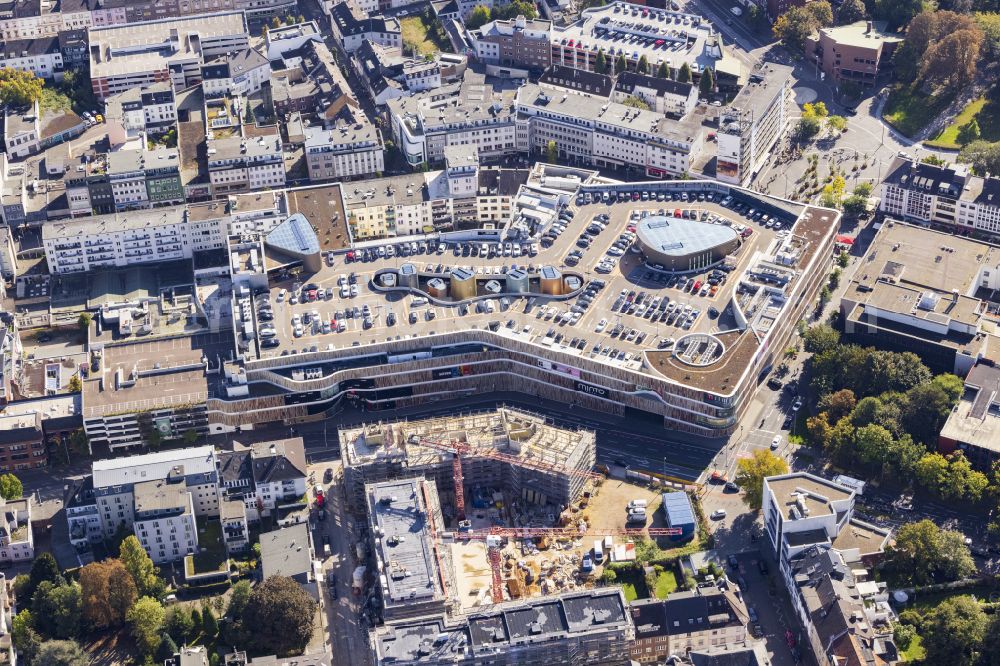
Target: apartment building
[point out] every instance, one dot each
(352, 28)
(43, 56)
(593, 131)
(127, 238)
(33, 19)
(385, 73)
(921, 293)
(852, 53)
(17, 541)
(246, 164)
(665, 96)
(345, 151)
(22, 441)
(281, 40)
(974, 423)
(142, 178)
(559, 77)
(394, 207)
(706, 617)
(39, 427)
(164, 519)
(519, 43)
(149, 109)
(172, 50)
(948, 196)
(573, 628)
(237, 73)
(308, 80)
(263, 477)
(32, 130)
(470, 113)
(752, 124)
(11, 352)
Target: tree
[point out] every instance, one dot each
(684, 73)
(238, 599)
(643, 65)
(178, 624)
(57, 610)
(968, 132)
(923, 553)
(851, 11)
(752, 471)
(208, 622)
(807, 127)
(951, 61)
(140, 567)
(984, 156)
(62, 653)
(794, 26)
(551, 152)
(863, 190)
(839, 404)
(75, 385)
(953, 632)
(928, 407)
(166, 649)
(10, 487)
(620, 64)
(897, 13)
(19, 88)
(635, 103)
(190, 436)
(514, 9)
(706, 86)
(608, 576)
(84, 321)
(833, 192)
(601, 63)
(196, 619)
(275, 22)
(663, 72)
(279, 616)
(854, 206)
(26, 639)
(479, 17)
(108, 592)
(836, 123)
(146, 618)
(821, 338)
(43, 569)
(873, 444)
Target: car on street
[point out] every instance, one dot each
(797, 405)
(776, 442)
(718, 514)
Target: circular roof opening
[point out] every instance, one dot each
(699, 349)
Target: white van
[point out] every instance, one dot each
(598, 551)
(637, 504)
(417, 302)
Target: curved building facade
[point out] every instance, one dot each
(680, 245)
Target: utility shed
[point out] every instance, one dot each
(679, 513)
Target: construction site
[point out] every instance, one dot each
(470, 511)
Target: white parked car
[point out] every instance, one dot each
(601, 325)
(776, 442)
(718, 514)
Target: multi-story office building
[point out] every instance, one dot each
(246, 164)
(471, 113)
(664, 96)
(518, 43)
(123, 57)
(752, 124)
(852, 53)
(593, 131)
(128, 238)
(345, 151)
(43, 57)
(949, 196)
(353, 28)
(920, 292)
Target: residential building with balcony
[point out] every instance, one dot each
(345, 151)
(17, 542)
(852, 53)
(246, 164)
(237, 73)
(59, 416)
(665, 96)
(263, 477)
(142, 178)
(164, 520)
(150, 109)
(22, 441)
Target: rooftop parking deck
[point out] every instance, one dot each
(636, 320)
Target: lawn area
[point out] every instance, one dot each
(909, 110)
(633, 584)
(213, 558)
(418, 35)
(914, 653)
(666, 583)
(986, 111)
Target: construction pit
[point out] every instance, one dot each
(513, 491)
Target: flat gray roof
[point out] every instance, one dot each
(680, 237)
